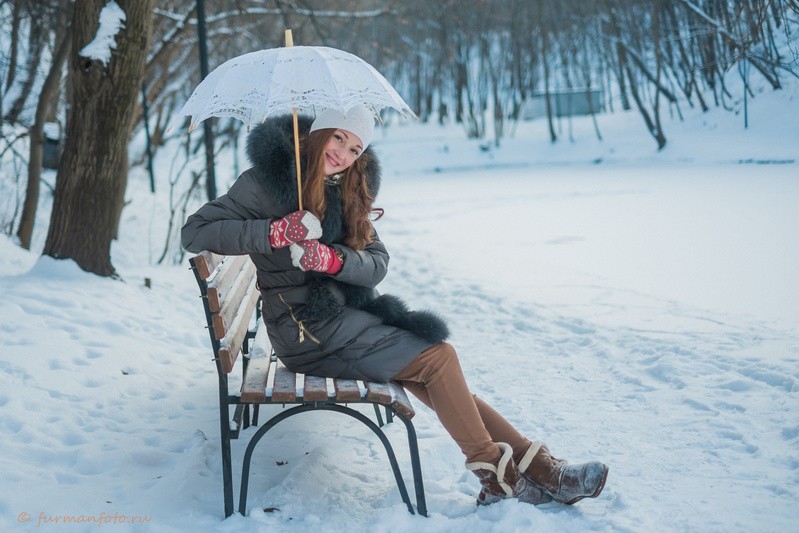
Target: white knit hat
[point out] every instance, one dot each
(358, 120)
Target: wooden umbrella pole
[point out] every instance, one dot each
(290, 42)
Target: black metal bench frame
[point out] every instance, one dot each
(224, 324)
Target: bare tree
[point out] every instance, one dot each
(92, 174)
(46, 105)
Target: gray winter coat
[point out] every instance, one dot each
(332, 326)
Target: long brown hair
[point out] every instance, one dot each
(357, 200)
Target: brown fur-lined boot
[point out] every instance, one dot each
(565, 483)
(503, 480)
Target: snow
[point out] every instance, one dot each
(112, 20)
(624, 305)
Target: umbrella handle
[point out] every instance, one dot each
(290, 42)
(297, 155)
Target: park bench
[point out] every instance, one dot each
(231, 302)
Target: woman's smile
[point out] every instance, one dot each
(332, 161)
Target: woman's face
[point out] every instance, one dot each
(341, 151)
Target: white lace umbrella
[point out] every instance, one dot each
(254, 86)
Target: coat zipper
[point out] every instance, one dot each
(301, 329)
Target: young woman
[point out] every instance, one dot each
(317, 273)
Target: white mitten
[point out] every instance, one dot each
(294, 227)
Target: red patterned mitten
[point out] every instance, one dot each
(294, 227)
(313, 255)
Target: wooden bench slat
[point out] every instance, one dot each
(231, 305)
(400, 401)
(285, 387)
(223, 283)
(253, 389)
(378, 393)
(347, 390)
(206, 263)
(315, 389)
(233, 340)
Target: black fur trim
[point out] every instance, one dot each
(358, 297)
(322, 304)
(394, 312)
(426, 324)
(390, 308)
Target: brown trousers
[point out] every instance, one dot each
(436, 378)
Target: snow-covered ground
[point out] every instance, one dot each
(634, 307)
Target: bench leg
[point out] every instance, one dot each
(245, 467)
(417, 471)
(378, 415)
(227, 473)
(389, 415)
(416, 465)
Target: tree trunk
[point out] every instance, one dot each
(460, 88)
(650, 125)
(36, 44)
(92, 175)
(13, 53)
(47, 103)
(658, 132)
(614, 31)
(553, 137)
(417, 88)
